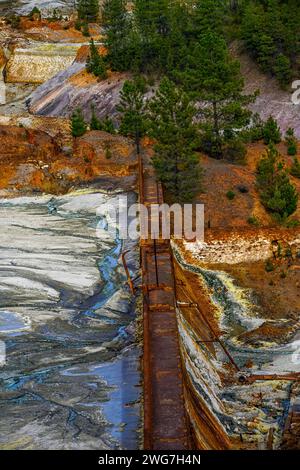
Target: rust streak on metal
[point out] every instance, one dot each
(165, 423)
(130, 283)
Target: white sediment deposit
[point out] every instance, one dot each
(45, 6)
(65, 315)
(39, 62)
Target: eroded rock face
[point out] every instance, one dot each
(46, 6)
(272, 100)
(73, 88)
(32, 160)
(39, 62)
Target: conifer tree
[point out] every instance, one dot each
(177, 166)
(78, 124)
(108, 125)
(95, 62)
(295, 168)
(88, 10)
(117, 26)
(272, 132)
(277, 194)
(213, 77)
(132, 109)
(207, 15)
(95, 123)
(291, 142)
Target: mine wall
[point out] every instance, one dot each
(200, 377)
(224, 411)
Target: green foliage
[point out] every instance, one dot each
(108, 125)
(295, 168)
(95, 62)
(78, 124)
(78, 25)
(85, 29)
(271, 132)
(119, 35)
(271, 33)
(230, 195)
(132, 109)
(35, 12)
(283, 70)
(252, 220)
(95, 124)
(277, 194)
(213, 77)
(171, 114)
(88, 10)
(207, 16)
(291, 142)
(13, 20)
(293, 223)
(254, 132)
(235, 151)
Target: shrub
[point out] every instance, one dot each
(295, 168)
(293, 223)
(235, 151)
(252, 220)
(230, 195)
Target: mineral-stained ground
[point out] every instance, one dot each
(68, 321)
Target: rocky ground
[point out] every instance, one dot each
(32, 160)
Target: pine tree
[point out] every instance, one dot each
(95, 123)
(88, 10)
(132, 109)
(295, 168)
(118, 30)
(78, 124)
(291, 142)
(95, 63)
(277, 194)
(108, 125)
(272, 132)
(271, 33)
(283, 70)
(172, 125)
(213, 77)
(207, 16)
(162, 26)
